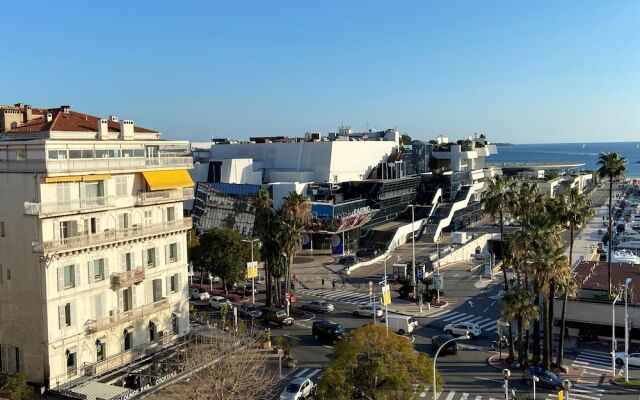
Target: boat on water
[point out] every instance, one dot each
(625, 256)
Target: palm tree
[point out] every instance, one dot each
(611, 166)
(295, 215)
(266, 228)
(576, 211)
(518, 307)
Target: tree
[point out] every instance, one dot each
(16, 388)
(518, 307)
(222, 253)
(405, 140)
(376, 364)
(295, 215)
(576, 211)
(611, 165)
(265, 228)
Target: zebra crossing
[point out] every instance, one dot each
(454, 317)
(307, 373)
(453, 395)
(594, 361)
(342, 296)
(581, 392)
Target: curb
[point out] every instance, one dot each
(623, 385)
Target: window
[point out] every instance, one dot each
(1, 228)
(174, 324)
(71, 361)
(63, 192)
(69, 276)
(96, 269)
(138, 153)
(74, 154)
(57, 154)
(100, 350)
(157, 290)
(87, 153)
(173, 252)
(68, 229)
(171, 214)
(173, 283)
(128, 261)
(21, 155)
(124, 221)
(150, 257)
(127, 153)
(148, 219)
(127, 339)
(92, 225)
(92, 190)
(126, 299)
(102, 153)
(153, 331)
(121, 186)
(67, 314)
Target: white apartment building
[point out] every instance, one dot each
(93, 256)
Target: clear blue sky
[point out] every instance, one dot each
(523, 72)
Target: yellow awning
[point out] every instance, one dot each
(78, 178)
(163, 180)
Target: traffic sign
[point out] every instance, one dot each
(287, 296)
(386, 295)
(293, 298)
(438, 281)
(252, 269)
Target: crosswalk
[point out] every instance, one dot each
(582, 392)
(342, 296)
(453, 395)
(595, 361)
(311, 373)
(454, 317)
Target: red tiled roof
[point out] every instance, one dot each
(70, 122)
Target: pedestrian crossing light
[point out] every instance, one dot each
(386, 295)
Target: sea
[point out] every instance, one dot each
(569, 153)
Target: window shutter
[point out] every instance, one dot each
(166, 254)
(98, 224)
(157, 264)
(178, 282)
(134, 296)
(168, 284)
(99, 304)
(144, 258)
(106, 268)
(149, 294)
(76, 282)
(90, 272)
(178, 251)
(73, 313)
(120, 301)
(61, 319)
(60, 279)
(123, 262)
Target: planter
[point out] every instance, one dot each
(266, 345)
(289, 362)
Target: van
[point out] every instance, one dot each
(401, 323)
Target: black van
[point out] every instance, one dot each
(439, 340)
(328, 330)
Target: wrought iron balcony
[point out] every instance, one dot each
(70, 206)
(118, 317)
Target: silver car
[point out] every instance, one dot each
(368, 311)
(318, 306)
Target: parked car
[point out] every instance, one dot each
(347, 261)
(216, 302)
(368, 311)
(244, 289)
(366, 253)
(298, 388)
(198, 294)
(276, 316)
(401, 323)
(634, 359)
(318, 306)
(547, 378)
(328, 330)
(438, 340)
(249, 311)
(462, 328)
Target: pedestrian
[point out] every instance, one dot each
(343, 281)
(323, 283)
(333, 283)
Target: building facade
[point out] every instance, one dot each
(93, 257)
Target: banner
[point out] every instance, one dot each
(336, 244)
(306, 241)
(252, 269)
(386, 295)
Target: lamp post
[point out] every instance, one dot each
(613, 334)
(253, 279)
(626, 330)
(535, 379)
(386, 307)
(506, 374)
(435, 358)
(413, 250)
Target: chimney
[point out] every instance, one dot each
(49, 117)
(113, 118)
(27, 115)
(126, 129)
(103, 129)
(65, 109)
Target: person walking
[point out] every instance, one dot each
(333, 283)
(343, 281)
(323, 283)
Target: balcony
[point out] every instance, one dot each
(161, 196)
(173, 161)
(70, 206)
(127, 278)
(117, 317)
(110, 236)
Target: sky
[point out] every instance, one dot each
(519, 72)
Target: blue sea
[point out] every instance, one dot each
(586, 153)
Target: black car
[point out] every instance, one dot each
(439, 340)
(546, 378)
(327, 330)
(366, 253)
(348, 261)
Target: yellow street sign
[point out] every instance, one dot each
(252, 269)
(561, 395)
(386, 295)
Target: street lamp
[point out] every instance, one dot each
(435, 358)
(626, 330)
(613, 334)
(413, 250)
(253, 284)
(506, 374)
(535, 379)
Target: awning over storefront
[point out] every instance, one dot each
(163, 180)
(78, 178)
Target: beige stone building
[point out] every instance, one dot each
(93, 258)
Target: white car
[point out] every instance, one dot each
(297, 389)
(216, 302)
(198, 294)
(634, 359)
(318, 306)
(461, 329)
(367, 311)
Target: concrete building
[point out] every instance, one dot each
(93, 258)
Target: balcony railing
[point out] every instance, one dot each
(61, 207)
(114, 164)
(117, 317)
(127, 278)
(110, 235)
(160, 196)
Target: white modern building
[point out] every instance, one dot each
(93, 257)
